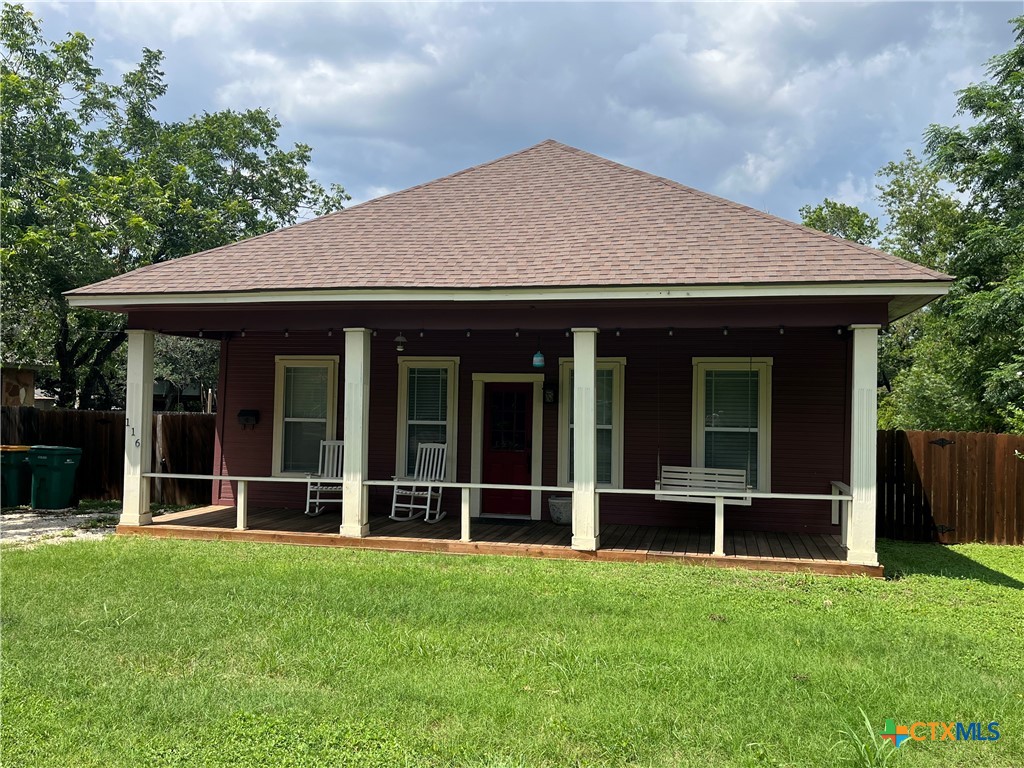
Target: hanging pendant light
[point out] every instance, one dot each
(400, 342)
(538, 358)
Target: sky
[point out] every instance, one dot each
(774, 105)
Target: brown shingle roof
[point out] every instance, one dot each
(548, 216)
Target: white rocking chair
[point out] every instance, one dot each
(327, 480)
(421, 496)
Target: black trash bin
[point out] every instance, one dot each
(53, 475)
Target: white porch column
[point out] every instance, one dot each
(585, 525)
(863, 452)
(354, 517)
(138, 429)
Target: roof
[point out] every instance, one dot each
(545, 217)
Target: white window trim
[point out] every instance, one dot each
(281, 362)
(452, 428)
(763, 366)
(618, 367)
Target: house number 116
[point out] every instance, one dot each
(127, 426)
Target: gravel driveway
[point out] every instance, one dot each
(27, 528)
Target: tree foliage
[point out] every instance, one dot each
(959, 364)
(841, 220)
(185, 362)
(93, 184)
(923, 220)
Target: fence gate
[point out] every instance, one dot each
(951, 487)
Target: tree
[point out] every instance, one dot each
(958, 364)
(841, 220)
(93, 185)
(986, 159)
(923, 219)
(186, 362)
(970, 355)
(923, 225)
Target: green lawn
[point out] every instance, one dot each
(139, 652)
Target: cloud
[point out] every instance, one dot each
(854, 190)
(775, 105)
(362, 96)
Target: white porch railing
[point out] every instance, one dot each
(837, 499)
(241, 495)
(467, 487)
(840, 498)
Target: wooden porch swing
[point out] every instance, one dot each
(704, 479)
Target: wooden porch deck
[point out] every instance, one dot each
(787, 552)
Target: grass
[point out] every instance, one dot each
(135, 651)
(99, 522)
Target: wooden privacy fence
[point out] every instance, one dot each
(951, 487)
(182, 443)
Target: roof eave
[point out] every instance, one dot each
(905, 296)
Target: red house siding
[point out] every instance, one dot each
(810, 394)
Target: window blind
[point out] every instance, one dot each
(731, 401)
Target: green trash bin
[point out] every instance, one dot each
(12, 459)
(53, 475)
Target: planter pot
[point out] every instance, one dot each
(560, 508)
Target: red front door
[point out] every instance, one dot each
(508, 444)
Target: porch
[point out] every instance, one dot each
(758, 550)
(794, 416)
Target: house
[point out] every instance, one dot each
(564, 324)
(19, 384)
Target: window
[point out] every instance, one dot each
(305, 408)
(427, 398)
(609, 399)
(732, 416)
